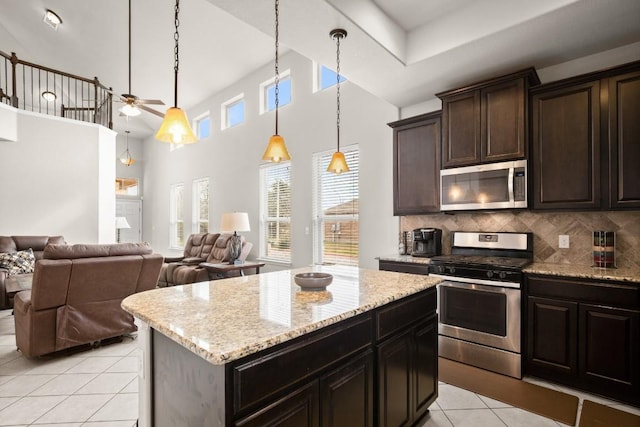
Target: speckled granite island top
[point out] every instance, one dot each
(405, 258)
(224, 320)
(583, 271)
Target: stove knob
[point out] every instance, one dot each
(503, 275)
(452, 270)
(439, 269)
(489, 274)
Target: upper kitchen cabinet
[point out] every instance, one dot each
(487, 121)
(416, 164)
(586, 141)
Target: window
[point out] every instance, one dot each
(275, 212)
(176, 217)
(335, 210)
(200, 206)
(268, 93)
(326, 77)
(126, 187)
(232, 112)
(202, 125)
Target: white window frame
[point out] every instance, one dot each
(174, 220)
(264, 219)
(224, 111)
(318, 218)
(196, 124)
(264, 87)
(197, 221)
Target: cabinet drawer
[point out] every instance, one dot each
(260, 377)
(602, 293)
(402, 313)
(403, 267)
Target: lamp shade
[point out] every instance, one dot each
(175, 128)
(338, 163)
(276, 150)
(235, 221)
(121, 222)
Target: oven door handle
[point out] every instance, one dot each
(493, 283)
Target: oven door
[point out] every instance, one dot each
(487, 315)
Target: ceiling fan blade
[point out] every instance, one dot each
(150, 101)
(151, 110)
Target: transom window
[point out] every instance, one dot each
(336, 209)
(275, 212)
(232, 112)
(268, 92)
(326, 77)
(202, 125)
(126, 186)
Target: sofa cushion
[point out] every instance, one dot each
(220, 250)
(20, 262)
(94, 251)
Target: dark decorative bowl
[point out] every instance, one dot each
(313, 281)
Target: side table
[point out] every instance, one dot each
(216, 270)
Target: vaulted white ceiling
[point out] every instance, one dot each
(403, 51)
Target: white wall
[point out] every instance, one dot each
(8, 123)
(231, 158)
(59, 179)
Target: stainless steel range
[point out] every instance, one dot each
(479, 301)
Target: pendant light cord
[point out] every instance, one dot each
(338, 37)
(129, 47)
(277, 78)
(176, 37)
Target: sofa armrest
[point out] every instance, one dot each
(22, 302)
(170, 259)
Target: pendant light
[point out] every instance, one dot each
(125, 157)
(276, 149)
(175, 127)
(338, 163)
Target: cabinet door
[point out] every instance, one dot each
(461, 129)
(416, 167)
(503, 122)
(297, 409)
(624, 134)
(346, 394)
(566, 147)
(425, 366)
(394, 382)
(552, 328)
(609, 344)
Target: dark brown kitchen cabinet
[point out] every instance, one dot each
(585, 334)
(416, 164)
(403, 267)
(487, 121)
(586, 141)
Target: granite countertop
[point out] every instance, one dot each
(224, 320)
(405, 258)
(583, 271)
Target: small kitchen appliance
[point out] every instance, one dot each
(427, 242)
(479, 311)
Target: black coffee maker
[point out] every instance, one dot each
(427, 242)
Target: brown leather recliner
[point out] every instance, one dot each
(188, 270)
(9, 244)
(76, 295)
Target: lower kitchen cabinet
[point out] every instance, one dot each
(585, 334)
(407, 375)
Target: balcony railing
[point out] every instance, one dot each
(22, 85)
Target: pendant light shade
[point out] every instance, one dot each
(276, 149)
(338, 163)
(175, 127)
(125, 157)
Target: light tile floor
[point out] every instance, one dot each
(99, 388)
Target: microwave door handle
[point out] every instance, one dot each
(510, 185)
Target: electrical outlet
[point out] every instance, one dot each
(563, 241)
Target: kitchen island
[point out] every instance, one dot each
(257, 350)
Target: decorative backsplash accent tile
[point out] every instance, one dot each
(546, 228)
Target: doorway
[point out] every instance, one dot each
(132, 211)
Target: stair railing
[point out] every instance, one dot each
(32, 87)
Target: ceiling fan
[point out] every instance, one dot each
(133, 104)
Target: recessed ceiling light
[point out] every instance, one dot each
(52, 19)
(49, 96)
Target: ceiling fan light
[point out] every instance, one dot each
(276, 150)
(130, 110)
(52, 19)
(338, 163)
(49, 96)
(175, 128)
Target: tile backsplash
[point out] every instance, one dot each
(546, 228)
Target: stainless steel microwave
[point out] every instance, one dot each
(490, 186)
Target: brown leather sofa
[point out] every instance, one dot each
(9, 244)
(76, 295)
(203, 247)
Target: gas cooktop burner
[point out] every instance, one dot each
(478, 261)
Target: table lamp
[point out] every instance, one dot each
(235, 221)
(121, 222)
